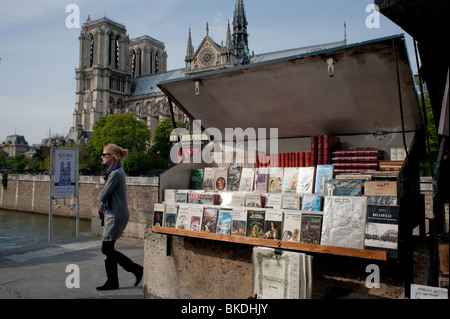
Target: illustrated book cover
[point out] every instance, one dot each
(312, 202)
(170, 219)
(220, 179)
(208, 178)
(224, 220)
(344, 187)
(291, 226)
(261, 180)
(234, 178)
(275, 184)
(209, 221)
(239, 222)
(290, 180)
(158, 215)
(323, 173)
(247, 180)
(255, 224)
(196, 181)
(196, 216)
(311, 228)
(273, 224)
(306, 177)
(183, 217)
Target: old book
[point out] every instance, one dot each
(275, 183)
(196, 215)
(169, 195)
(311, 202)
(220, 179)
(225, 199)
(273, 224)
(183, 217)
(291, 226)
(253, 200)
(208, 178)
(274, 201)
(290, 180)
(209, 199)
(344, 221)
(209, 221)
(323, 173)
(382, 229)
(247, 180)
(224, 219)
(261, 179)
(382, 200)
(170, 218)
(194, 197)
(158, 215)
(311, 228)
(239, 222)
(344, 187)
(255, 224)
(306, 177)
(291, 201)
(238, 200)
(196, 181)
(234, 178)
(182, 196)
(380, 188)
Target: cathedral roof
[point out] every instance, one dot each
(149, 84)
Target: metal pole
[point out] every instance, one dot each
(77, 185)
(50, 197)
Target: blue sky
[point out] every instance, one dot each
(39, 53)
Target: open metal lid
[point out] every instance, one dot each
(298, 96)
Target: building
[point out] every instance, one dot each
(15, 144)
(121, 75)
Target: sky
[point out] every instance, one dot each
(39, 51)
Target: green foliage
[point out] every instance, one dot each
(120, 129)
(17, 163)
(143, 162)
(161, 140)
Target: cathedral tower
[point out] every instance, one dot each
(240, 35)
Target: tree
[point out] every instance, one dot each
(120, 129)
(161, 140)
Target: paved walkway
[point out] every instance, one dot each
(41, 272)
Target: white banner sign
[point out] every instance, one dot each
(65, 172)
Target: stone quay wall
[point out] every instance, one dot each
(31, 193)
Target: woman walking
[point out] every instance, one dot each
(114, 215)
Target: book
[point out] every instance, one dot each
(170, 218)
(225, 199)
(274, 201)
(183, 218)
(208, 178)
(305, 183)
(275, 182)
(311, 202)
(291, 226)
(261, 180)
(209, 199)
(239, 222)
(209, 221)
(311, 228)
(224, 219)
(290, 180)
(247, 179)
(158, 215)
(380, 188)
(196, 216)
(196, 181)
(182, 196)
(291, 202)
(344, 187)
(234, 178)
(255, 224)
(253, 200)
(194, 197)
(169, 195)
(382, 229)
(273, 224)
(220, 179)
(323, 173)
(238, 200)
(344, 221)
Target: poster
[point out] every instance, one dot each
(65, 172)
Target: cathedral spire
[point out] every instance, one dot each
(240, 35)
(190, 48)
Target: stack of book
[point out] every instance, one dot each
(356, 160)
(321, 149)
(293, 159)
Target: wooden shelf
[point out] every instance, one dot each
(331, 250)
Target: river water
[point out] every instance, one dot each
(19, 229)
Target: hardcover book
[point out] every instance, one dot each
(275, 183)
(291, 202)
(209, 222)
(208, 178)
(273, 224)
(224, 219)
(158, 215)
(290, 179)
(255, 224)
(234, 178)
(344, 221)
(196, 179)
(380, 188)
(323, 173)
(261, 180)
(291, 226)
(311, 228)
(305, 183)
(183, 218)
(220, 179)
(170, 219)
(344, 187)
(247, 179)
(196, 215)
(239, 222)
(312, 202)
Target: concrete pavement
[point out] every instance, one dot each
(41, 272)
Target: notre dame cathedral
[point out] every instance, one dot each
(120, 75)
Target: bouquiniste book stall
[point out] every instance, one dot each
(344, 178)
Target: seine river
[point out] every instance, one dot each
(18, 229)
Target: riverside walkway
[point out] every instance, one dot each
(49, 271)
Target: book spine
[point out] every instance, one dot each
(314, 150)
